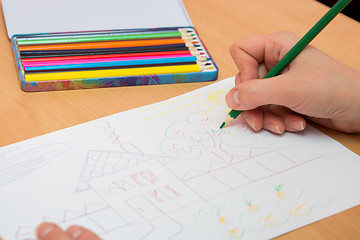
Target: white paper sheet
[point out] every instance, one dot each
(166, 171)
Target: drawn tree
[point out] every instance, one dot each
(199, 133)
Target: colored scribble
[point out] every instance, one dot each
(245, 219)
(199, 134)
(302, 210)
(213, 100)
(252, 207)
(144, 177)
(206, 121)
(163, 194)
(18, 163)
(223, 220)
(174, 149)
(269, 220)
(179, 133)
(280, 192)
(233, 234)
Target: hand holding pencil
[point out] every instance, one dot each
(272, 54)
(314, 85)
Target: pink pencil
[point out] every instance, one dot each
(110, 56)
(95, 60)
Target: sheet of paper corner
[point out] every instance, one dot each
(44, 16)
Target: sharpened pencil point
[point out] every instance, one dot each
(230, 117)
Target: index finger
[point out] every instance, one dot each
(249, 53)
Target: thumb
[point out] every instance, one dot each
(258, 92)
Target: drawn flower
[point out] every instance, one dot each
(252, 208)
(280, 193)
(223, 220)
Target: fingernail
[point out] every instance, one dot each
(274, 128)
(297, 125)
(251, 123)
(44, 229)
(236, 97)
(74, 232)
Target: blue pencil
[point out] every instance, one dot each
(114, 64)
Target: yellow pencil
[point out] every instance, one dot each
(115, 72)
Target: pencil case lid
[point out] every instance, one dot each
(47, 16)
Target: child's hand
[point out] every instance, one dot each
(313, 86)
(50, 231)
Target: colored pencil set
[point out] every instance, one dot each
(112, 58)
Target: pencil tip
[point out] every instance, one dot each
(222, 125)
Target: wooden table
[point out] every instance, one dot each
(219, 23)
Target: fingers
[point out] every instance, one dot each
(262, 71)
(273, 123)
(314, 85)
(50, 231)
(250, 52)
(293, 122)
(258, 92)
(254, 56)
(245, 62)
(273, 118)
(254, 118)
(81, 233)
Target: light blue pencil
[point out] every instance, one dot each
(115, 63)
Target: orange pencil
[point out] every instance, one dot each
(97, 45)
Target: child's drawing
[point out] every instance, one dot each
(166, 171)
(199, 133)
(100, 163)
(91, 214)
(261, 211)
(115, 137)
(18, 162)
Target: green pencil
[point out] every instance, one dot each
(103, 37)
(299, 46)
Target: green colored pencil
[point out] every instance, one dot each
(299, 46)
(108, 37)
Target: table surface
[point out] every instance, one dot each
(219, 24)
